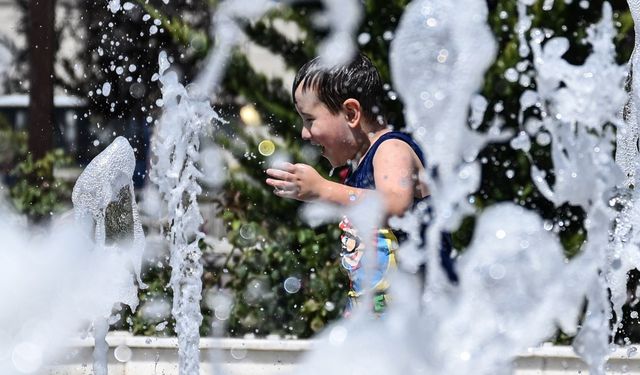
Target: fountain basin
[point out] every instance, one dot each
(129, 355)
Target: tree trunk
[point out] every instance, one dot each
(41, 51)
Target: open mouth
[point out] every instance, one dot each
(319, 146)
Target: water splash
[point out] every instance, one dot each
(104, 184)
(437, 67)
(176, 145)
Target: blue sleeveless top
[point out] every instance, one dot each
(362, 177)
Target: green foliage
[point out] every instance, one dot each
(13, 145)
(37, 192)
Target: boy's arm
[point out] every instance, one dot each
(395, 174)
(304, 183)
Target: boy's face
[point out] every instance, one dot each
(331, 132)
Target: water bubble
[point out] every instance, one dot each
(161, 326)
(266, 148)
(634, 314)
(128, 6)
(255, 291)
(510, 173)
(27, 357)
(146, 17)
(137, 90)
(238, 353)
(497, 271)
(123, 353)
(338, 335)
(119, 70)
(387, 35)
(247, 232)
(96, 142)
(221, 303)
(132, 68)
(632, 351)
(548, 225)
(198, 42)
(153, 29)
(292, 285)
(543, 139)
(500, 234)
(432, 22)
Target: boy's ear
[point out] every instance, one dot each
(352, 111)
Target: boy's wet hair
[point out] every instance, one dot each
(358, 79)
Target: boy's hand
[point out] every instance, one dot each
(296, 181)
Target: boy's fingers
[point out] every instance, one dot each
(279, 174)
(285, 166)
(282, 185)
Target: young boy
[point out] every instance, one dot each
(341, 111)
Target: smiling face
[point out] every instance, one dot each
(332, 132)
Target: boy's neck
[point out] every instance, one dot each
(369, 137)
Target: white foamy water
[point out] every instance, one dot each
(53, 284)
(99, 185)
(437, 68)
(176, 148)
(515, 285)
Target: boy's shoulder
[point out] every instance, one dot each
(396, 144)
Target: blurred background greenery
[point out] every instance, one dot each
(266, 242)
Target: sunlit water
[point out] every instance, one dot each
(516, 287)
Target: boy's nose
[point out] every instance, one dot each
(306, 134)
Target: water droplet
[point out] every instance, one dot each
(123, 353)
(238, 353)
(511, 75)
(266, 148)
(364, 38)
(329, 306)
(292, 285)
(106, 88)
